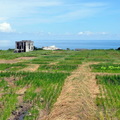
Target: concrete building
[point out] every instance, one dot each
(24, 46)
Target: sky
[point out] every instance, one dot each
(39, 20)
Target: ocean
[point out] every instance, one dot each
(71, 44)
(81, 44)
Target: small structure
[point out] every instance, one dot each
(53, 47)
(24, 46)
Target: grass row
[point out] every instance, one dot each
(106, 67)
(108, 100)
(49, 83)
(12, 67)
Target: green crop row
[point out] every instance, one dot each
(106, 67)
(6, 54)
(89, 55)
(42, 91)
(109, 98)
(55, 68)
(12, 67)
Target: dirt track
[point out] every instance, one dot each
(77, 99)
(31, 68)
(20, 59)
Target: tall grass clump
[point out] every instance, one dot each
(8, 104)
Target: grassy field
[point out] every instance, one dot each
(109, 99)
(106, 67)
(33, 93)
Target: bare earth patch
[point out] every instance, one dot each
(31, 68)
(53, 63)
(20, 59)
(77, 99)
(11, 80)
(22, 107)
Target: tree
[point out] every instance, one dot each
(35, 48)
(118, 48)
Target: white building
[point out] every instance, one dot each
(53, 47)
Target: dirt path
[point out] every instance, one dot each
(31, 68)
(77, 99)
(20, 59)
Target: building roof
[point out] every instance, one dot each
(53, 47)
(25, 41)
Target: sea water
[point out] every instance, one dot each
(81, 44)
(72, 44)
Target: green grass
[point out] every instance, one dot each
(8, 101)
(49, 83)
(55, 68)
(109, 99)
(6, 54)
(12, 67)
(106, 67)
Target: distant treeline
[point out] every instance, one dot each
(36, 48)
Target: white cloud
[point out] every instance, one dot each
(86, 33)
(80, 33)
(92, 33)
(16, 9)
(3, 18)
(6, 27)
(103, 33)
(44, 11)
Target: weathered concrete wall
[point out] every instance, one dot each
(29, 46)
(24, 46)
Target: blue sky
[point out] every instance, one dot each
(59, 20)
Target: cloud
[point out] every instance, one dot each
(92, 33)
(6, 27)
(13, 9)
(3, 18)
(86, 33)
(103, 33)
(46, 11)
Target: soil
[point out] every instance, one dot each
(21, 92)
(11, 80)
(77, 98)
(53, 63)
(20, 59)
(22, 107)
(20, 112)
(31, 68)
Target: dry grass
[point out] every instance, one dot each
(77, 99)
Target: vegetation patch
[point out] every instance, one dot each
(70, 62)
(106, 67)
(12, 67)
(56, 68)
(50, 85)
(33, 93)
(109, 99)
